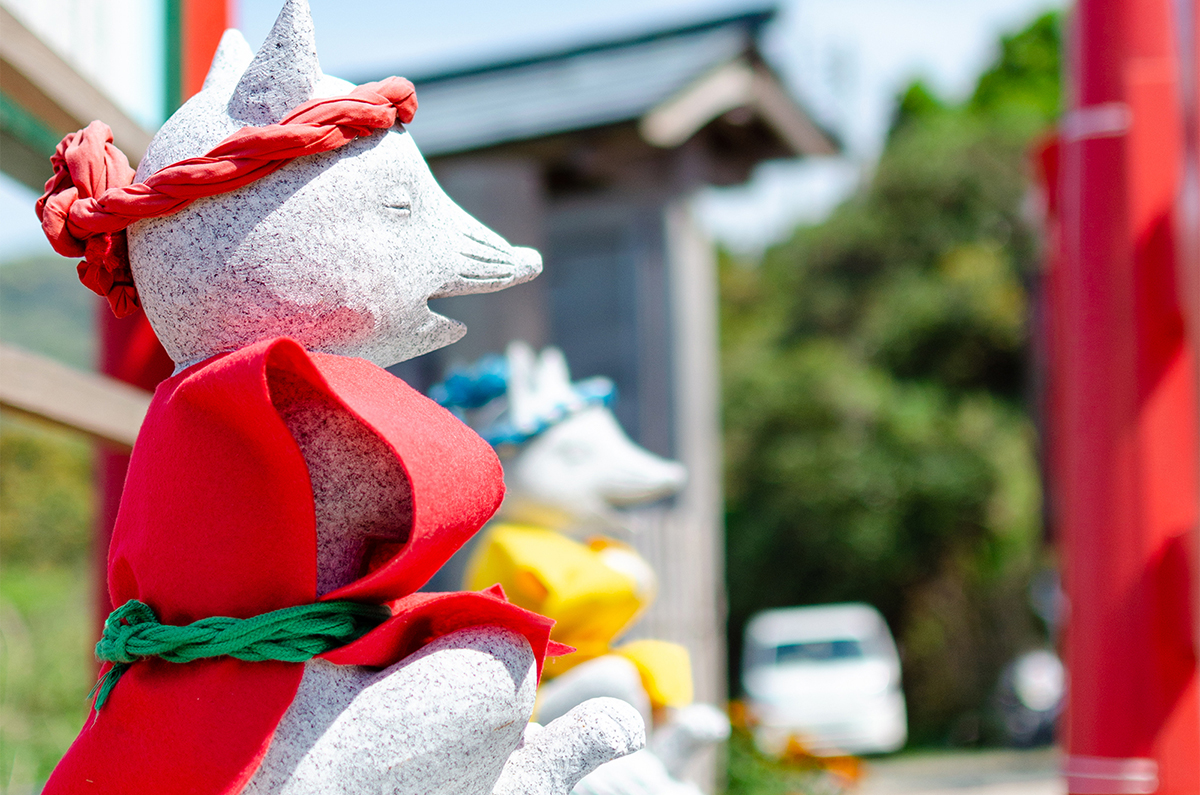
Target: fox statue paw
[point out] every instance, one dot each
(552, 759)
(451, 718)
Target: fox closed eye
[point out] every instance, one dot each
(399, 199)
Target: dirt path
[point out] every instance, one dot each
(966, 773)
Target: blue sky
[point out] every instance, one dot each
(845, 59)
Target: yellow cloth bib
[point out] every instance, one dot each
(666, 670)
(592, 591)
(549, 573)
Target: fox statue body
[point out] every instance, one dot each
(340, 252)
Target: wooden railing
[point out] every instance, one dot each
(97, 405)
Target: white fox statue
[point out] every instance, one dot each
(569, 469)
(340, 252)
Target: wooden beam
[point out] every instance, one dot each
(679, 118)
(97, 405)
(736, 84)
(786, 117)
(37, 78)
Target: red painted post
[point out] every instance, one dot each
(1188, 206)
(129, 350)
(1127, 453)
(203, 22)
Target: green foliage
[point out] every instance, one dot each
(44, 308)
(917, 103)
(751, 772)
(46, 670)
(45, 495)
(46, 663)
(1026, 79)
(878, 446)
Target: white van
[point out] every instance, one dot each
(829, 676)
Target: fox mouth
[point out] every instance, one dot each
(481, 278)
(505, 271)
(481, 281)
(502, 265)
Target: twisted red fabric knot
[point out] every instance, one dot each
(91, 199)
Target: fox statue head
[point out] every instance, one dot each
(568, 463)
(340, 251)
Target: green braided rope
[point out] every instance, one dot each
(293, 634)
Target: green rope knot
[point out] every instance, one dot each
(294, 634)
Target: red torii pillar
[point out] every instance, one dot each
(1124, 459)
(129, 350)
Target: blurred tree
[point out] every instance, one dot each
(878, 443)
(44, 308)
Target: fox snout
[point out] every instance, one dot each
(641, 477)
(587, 460)
(484, 262)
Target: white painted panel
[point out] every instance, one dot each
(117, 44)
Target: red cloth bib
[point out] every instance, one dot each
(217, 519)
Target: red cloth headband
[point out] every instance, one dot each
(91, 200)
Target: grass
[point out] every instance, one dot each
(45, 670)
(46, 665)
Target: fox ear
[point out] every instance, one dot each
(232, 58)
(553, 380)
(283, 73)
(522, 403)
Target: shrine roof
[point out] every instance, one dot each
(585, 87)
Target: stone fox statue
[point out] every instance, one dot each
(286, 496)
